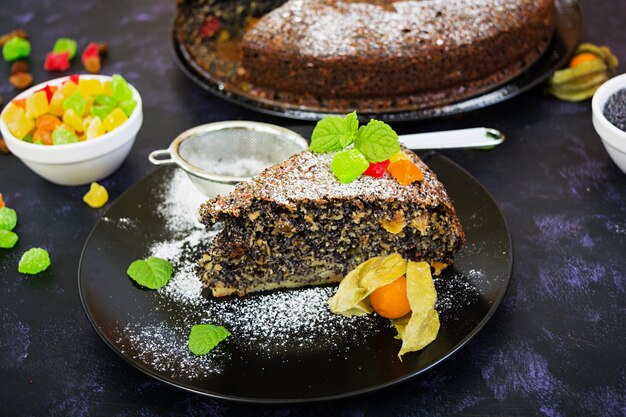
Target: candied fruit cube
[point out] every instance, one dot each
(405, 172)
(57, 61)
(96, 128)
(49, 91)
(42, 137)
(47, 122)
(399, 156)
(76, 102)
(128, 106)
(17, 122)
(105, 100)
(114, 119)
(108, 88)
(86, 122)
(120, 88)
(88, 105)
(65, 45)
(56, 104)
(101, 111)
(349, 165)
(377, 169)
(69, 87)
(16, 48)
(90, 87)
(34, 261)
(97, 196)
(37, 104)
(61, 136)
(73, 120)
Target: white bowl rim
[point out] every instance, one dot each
(598, 101)
(78, 145)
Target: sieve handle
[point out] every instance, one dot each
(462, 138)
(155, 157)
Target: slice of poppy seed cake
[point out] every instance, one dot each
(296, 225)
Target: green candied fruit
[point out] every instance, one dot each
(63, 137)
(15, 48)
(8, 239)
(34, 261)
(349, 165)
(128, 106)
(77, 103)
(8, 218)
(121, 90)
(105, 100)
(101, 111)
(65, 45)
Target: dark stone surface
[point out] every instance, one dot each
(555, 347)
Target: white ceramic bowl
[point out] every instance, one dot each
(82, 162)
(613, 138)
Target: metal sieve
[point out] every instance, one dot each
(217, 156)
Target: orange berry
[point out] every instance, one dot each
(580, 58)
(405, 172)
(391, 301)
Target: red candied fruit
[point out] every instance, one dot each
(91, 50)
(210, 26)
(57, 61)
(377, 169)
(74, 78)
(48, 90)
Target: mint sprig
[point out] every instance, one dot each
(153, 273)
(204, 337)
(333, 133)
(377, 141)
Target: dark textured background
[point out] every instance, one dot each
(555, 347)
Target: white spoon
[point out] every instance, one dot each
(477, 137)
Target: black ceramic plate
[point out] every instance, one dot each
(569, 29)
(324, 361)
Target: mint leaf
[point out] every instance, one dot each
(8, 239)
(333, 133)
(8, 218)
(204, 337)
(34, 261)
(377, 141)
(153, 273)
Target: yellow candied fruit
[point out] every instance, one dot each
(97, 196)
(71, 119)
(17, 122)
(86, 122)
(88, 106)
(90, 87)
(108, 89)
(37, 104)
(114, 119)
(405, 172)
(67, 127)
(56, 103)
(95, 129)
(68, 88)
(399, 156)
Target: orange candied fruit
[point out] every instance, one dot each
(583, 57)
(47, 122)
(405, 172)
(391, 300)
(1, 201)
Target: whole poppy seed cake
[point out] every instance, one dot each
(296, 225)
(355, 49)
